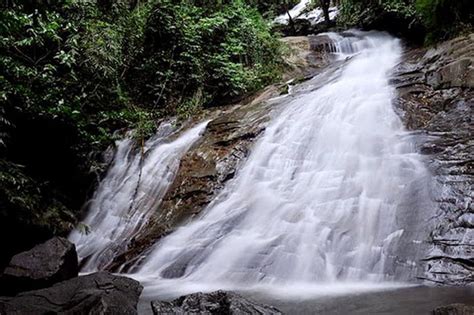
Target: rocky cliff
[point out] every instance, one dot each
(436, 98)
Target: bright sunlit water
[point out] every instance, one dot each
(130, 193)
(315, 205)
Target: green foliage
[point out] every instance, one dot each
(272, 8)
(191, 106)
(25, 201)
(94, 67)
(144, 126)
(83, 228)
(188, 50)
(99, 66)
(4, 125)
(435, 19)
(444, 18)
(403, 8)
(355, 11)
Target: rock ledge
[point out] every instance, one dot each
(218, 302)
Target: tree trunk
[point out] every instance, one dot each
(290, 20)
(325, 7)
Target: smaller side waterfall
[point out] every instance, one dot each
(130, 193)
(346, 45)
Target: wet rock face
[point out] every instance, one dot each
(454, 309)
(42, 266)
(218, 302)
(305, 58)
(203, 172)
(436, 96)
(98, 293)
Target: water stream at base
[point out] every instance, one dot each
(316, 202)
(130, 193)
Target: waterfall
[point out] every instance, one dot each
(300, 11)
(294, 12)
(317, 199)
(130, 193)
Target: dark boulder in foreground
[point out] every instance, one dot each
(218, 302)
(454, 309)
(98, 293)
(40, 267)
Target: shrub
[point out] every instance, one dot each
(74, 72)
(188, 49)
(444, 18)
(418, 20)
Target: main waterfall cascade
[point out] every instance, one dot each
(317, 199)
(129, 194)
(328, 195)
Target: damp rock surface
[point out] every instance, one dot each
(218, 302)
(436, 99)
(42, 266)
(454, 309)
(97, 293)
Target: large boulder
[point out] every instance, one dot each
(40, 267)
(454, 309)
(218, 302)
(98, 293)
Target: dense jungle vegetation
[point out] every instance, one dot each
(73, 73)
(420, 21)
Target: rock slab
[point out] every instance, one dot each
(454, 309)
(218, 302)
(436, 98)
(98, 293)
(42, 266)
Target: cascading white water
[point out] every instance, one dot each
(294, 12)
(317, 199)
(300, 11)
(130, 193)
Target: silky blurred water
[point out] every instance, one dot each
(315, 205)
(130, 193)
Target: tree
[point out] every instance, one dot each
(325, 7)
(290, 18)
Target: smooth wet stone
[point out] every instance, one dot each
(42, 266)
(97, 293)
(436, 96)
(218, 302)
(454, 309)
